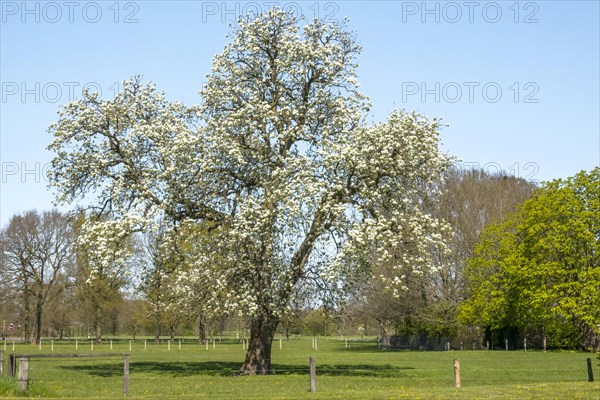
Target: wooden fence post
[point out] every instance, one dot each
(125, 374)
(1, 363)
(590, 370)
(12, 365)
(457, 373)
(23, 373)
(544, 344)
(313, 375)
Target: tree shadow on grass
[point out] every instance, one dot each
(216, 368)
(359, 347)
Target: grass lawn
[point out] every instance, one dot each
(362, 372)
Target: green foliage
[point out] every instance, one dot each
(540, 267)
(317, 322)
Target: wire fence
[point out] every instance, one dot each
(103, 375)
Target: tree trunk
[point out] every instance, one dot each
(38, 321)
(201, 329)
(98, 325)
(26, 330)
(157, 327)
(98, 332)
(590, 341)
(258, 356)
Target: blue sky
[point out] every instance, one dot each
(518, 82)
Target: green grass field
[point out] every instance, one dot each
(362, 372)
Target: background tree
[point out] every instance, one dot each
(296, 188)
(540, 267)
(471, 199)
(191, 291)
(61, 307)
(157, 275)
(100, 279)
(133, 316)
(36, 253)
(9, 305)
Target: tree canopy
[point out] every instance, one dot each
(297, 189)
(540, 267)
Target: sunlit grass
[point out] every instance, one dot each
(362, 372)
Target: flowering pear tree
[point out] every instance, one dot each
(277, 162)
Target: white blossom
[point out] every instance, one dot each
(277, 159)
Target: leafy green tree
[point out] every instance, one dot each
(317, 322)
(541, 267)
(133, 316)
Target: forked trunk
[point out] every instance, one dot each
(258, 356)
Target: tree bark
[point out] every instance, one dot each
(258, 356)
(157, 326)
(201, 329)
(98, 325)
(38, 321)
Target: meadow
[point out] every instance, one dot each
(360, 372)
